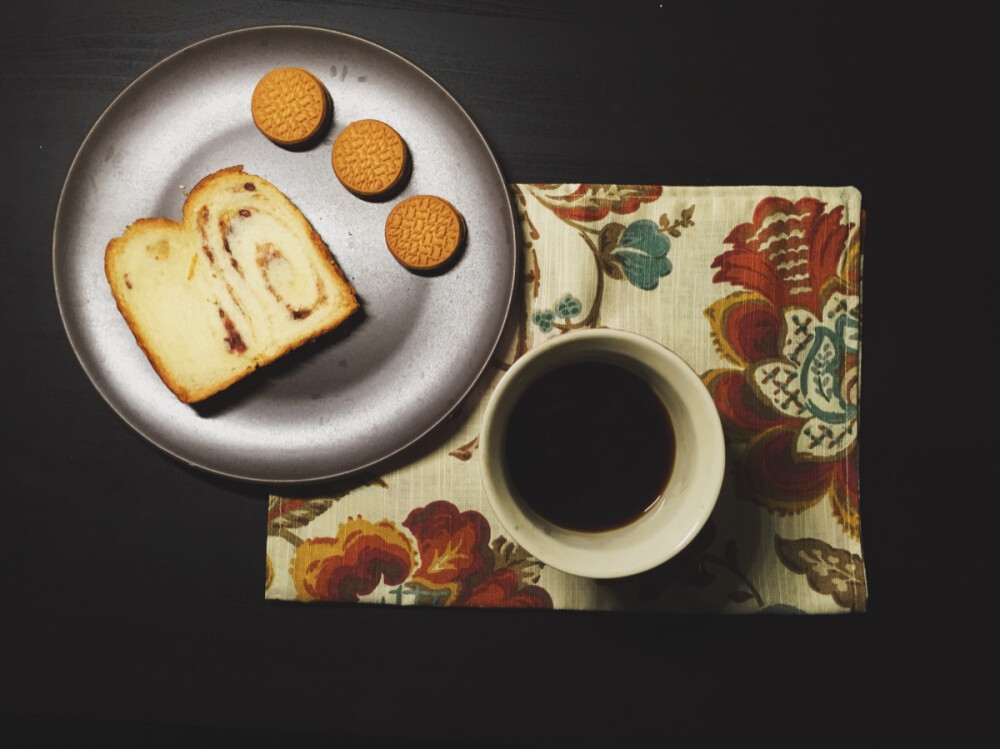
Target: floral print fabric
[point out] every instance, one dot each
(759, 290)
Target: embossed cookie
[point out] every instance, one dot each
(291, 107)
(370, 159)
(424, 232)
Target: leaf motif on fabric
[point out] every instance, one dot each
(285, 514)
(778, 383)
(674, 228)
(843, 312)
(608, 239)
(642, 254)
(592, 202)
(453, 545)
(466, 451)
(817, 438)
(834, 572)
(820, 376)
(800, 334)
(508, 554)
(420, 595)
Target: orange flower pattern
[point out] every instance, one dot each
(440, 556)
(352, 564)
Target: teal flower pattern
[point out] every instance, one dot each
(543, 320)
(565, 309)
(812, 381)
(642, 254)
(568, 307)
(635, 252)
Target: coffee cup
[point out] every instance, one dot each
(601, 453)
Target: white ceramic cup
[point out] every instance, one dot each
(691, 492)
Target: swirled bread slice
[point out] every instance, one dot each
(240, 281)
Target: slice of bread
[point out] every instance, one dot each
(240, 281)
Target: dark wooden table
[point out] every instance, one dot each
(132, 601)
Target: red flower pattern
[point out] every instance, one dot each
(352, 564)
(791, 255)
(786, 253)
(454, 546)
(439, 550)
(502, 588)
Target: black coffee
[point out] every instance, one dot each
(590, 446)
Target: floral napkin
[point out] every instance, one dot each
(759, 290)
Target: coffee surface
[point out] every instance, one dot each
(590, 446)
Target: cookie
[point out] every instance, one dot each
(291, 107)
(370, 159)
(424, 232)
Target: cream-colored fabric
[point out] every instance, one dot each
(758, 289)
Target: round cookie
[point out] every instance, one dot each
(370, 159)
(290, 106)
(424, 232)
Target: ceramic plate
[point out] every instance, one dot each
(348, 401)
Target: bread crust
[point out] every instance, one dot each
(239, 317)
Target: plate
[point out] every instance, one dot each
(419, 345)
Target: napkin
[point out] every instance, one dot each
(758, 288)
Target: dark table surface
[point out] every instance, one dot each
(133, 605)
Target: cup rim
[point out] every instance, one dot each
(635, 548)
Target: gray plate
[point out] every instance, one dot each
(351, 399)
